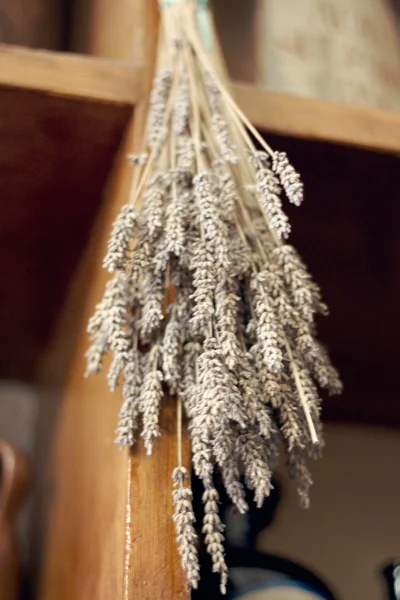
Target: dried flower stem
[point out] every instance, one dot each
(207, 64)
(303, 400)
(179, 430)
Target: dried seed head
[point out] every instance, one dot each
(184, 522)
(304, 293)
(121, 235)
(152, 309)
(234, 488)
(224, 138)
(269, 195)
(182, 107)
(268, 329)
(254, 455)
(213, 528)
(155, 120)
(214, 229)
(150, 399)
(289, 178)
(202, 265)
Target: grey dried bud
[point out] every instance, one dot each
(268, 329)
(289, 178)
(122, 233)
(184, 519)
(158, 100)
(182, 107)
(213, 528)
(269, 195)
(150, 399)
(224, 138)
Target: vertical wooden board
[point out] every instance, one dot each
(123, 33)
(86, 539)
(35, 23)
(154, 565)
(111, 532)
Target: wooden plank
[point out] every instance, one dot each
(119, 34)
(155, 569)
(120, 82)
(151, 561)
(111, 531)
(84, 550)
(72, 76)
(312, 119)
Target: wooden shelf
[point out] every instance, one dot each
(71, 76)
(322, 120)
(118, 84)
(62, 120)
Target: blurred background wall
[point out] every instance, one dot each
(352, 526)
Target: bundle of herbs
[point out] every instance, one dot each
(207, 297)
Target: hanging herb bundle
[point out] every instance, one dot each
(207, 297)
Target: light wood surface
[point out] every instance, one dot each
(118, 33)
(111, 533)
(155, 570)
(84, 550)
(322, 120)
(73, 76)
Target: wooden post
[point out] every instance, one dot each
(36, 23)
(111, 533)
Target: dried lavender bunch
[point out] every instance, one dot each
(207, 298)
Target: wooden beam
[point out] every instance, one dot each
(312, 119)
(71, 76)
(85, 541)
(111, 533)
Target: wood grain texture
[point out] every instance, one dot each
(114, 537)
(155, 570)
(121, 34)
(72, 76)
(322, 120)
(86, 532)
